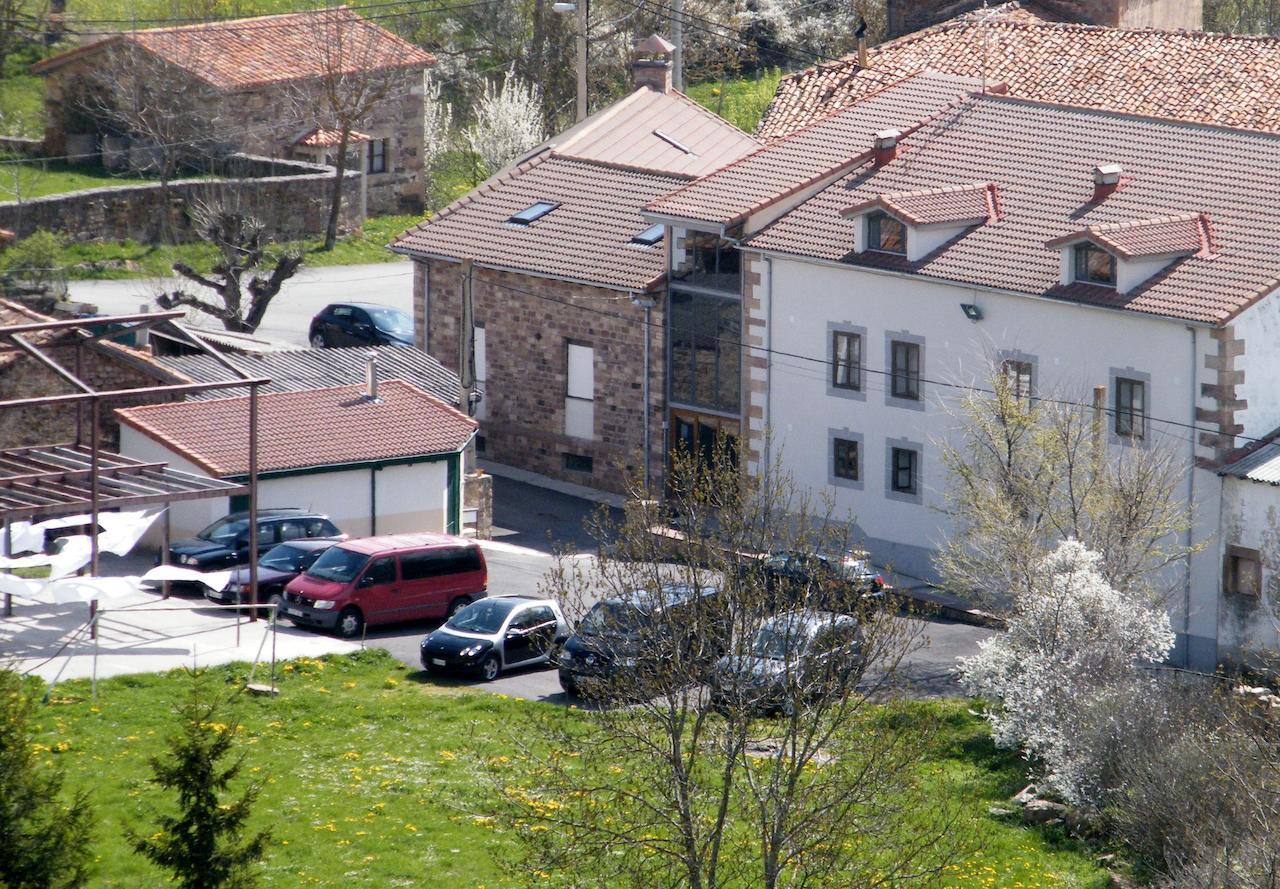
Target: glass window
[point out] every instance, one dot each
(382, 570)
(706, 333)
(903, 474)
(886, 234)
(337, 564)
(533, 212)
(1131, 400)
(650, 236)
(378, 155)
(846, 459)
(846, 360)
(1017, 375)
(292, 529)
(710, 261)
(905, 382)
(1094, 265)
(320, 528)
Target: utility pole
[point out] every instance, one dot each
(581, 8)
(467, 342)
(677, 37)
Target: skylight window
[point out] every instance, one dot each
(532, 213)
(650, 236)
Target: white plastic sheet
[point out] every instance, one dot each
(214, 580)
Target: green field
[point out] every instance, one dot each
(25, 180)
(741, 101)
(371, 778)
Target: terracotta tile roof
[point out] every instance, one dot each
(659, 132)
(822, 149)
(1173, 235)
(587, 238)
(1224, 79)
(1042, 156)
(247, 53)
(310, 428)
(322, 137)
(937, 206)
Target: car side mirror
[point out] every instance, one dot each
(367, 580)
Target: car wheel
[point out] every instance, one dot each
(458, 604)
(490, 667)
(570, 688)
(276, 600)
(350, 623)
(317, 341)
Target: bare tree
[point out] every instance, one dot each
(362, 67)
(1028, 473)
(242, 245)
(688, 642)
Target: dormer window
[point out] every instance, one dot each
(1094, 265)
(886, 234)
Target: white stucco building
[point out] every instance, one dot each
(382, 462)
(892, 252)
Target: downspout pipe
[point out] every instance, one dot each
(1191, 512)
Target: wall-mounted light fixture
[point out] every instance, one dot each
(972, 312)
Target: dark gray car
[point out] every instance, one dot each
(789, 658)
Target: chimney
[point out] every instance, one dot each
(885, 145)
(862, 52)
(652, 64)
(1106, 179)
(371, 375)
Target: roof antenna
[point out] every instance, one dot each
(983, 26)
(861, 34)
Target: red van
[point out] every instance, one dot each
(382, 580)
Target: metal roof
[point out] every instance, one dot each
(298, 369)
(55, 480)
(1262, 465)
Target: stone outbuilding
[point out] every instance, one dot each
(253, 86)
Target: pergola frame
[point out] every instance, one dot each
(72, 478)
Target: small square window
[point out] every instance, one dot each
(1242, 572)
(1094, 265)
(846, 360)
(1131, 401)
(903, 471)
(650, 236)
(532, 213)
(846, 459)
(886, 234)
(905, 374)
(1017, 376)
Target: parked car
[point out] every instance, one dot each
(382, 580)
(496, 634)
(360, 324)
(280, 565)
(796, 577)
(225, 543)
(792, 656)
(623, 640)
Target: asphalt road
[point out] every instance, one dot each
(289, 315)
(532, 521)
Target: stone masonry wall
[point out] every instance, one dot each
(526, 339)
(291, 205)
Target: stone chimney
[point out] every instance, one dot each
(652, 65)
(906, 16)
(371, 375)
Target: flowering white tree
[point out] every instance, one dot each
(437, 125)
(1072, 642)
(508, 120)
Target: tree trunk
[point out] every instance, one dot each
(335, 202)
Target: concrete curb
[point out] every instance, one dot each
(932, 603)
(618, 501)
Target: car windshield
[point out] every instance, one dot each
(777, 641)
(485, 616)
(611, 619)
(225, 531)
(337, 564)
(284, 558)
(855, 568)
(391, 321)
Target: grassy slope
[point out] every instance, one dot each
(742, 101)
(370, 779)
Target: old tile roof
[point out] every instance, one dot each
(247, 53)
(1172, 235)
(823, 149)
(1225, 79)
(294, 369)
(937, 206)
(306, 429)
(586, 238)
(1042, 155)
(658, 132)
(322, 137)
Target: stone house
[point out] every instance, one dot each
(253, 86)
(567, 284)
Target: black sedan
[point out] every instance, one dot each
(279, 566)
(360, 324)
(817, 579)
(496, 634)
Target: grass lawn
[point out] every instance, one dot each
(741, 101)
(33, 180)
(22, 106)
(370, 778)
(156, 260)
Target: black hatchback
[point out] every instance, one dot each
(282, 564)
(360, 324)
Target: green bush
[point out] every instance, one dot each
(35, 256)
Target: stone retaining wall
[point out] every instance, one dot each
(290, 197)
